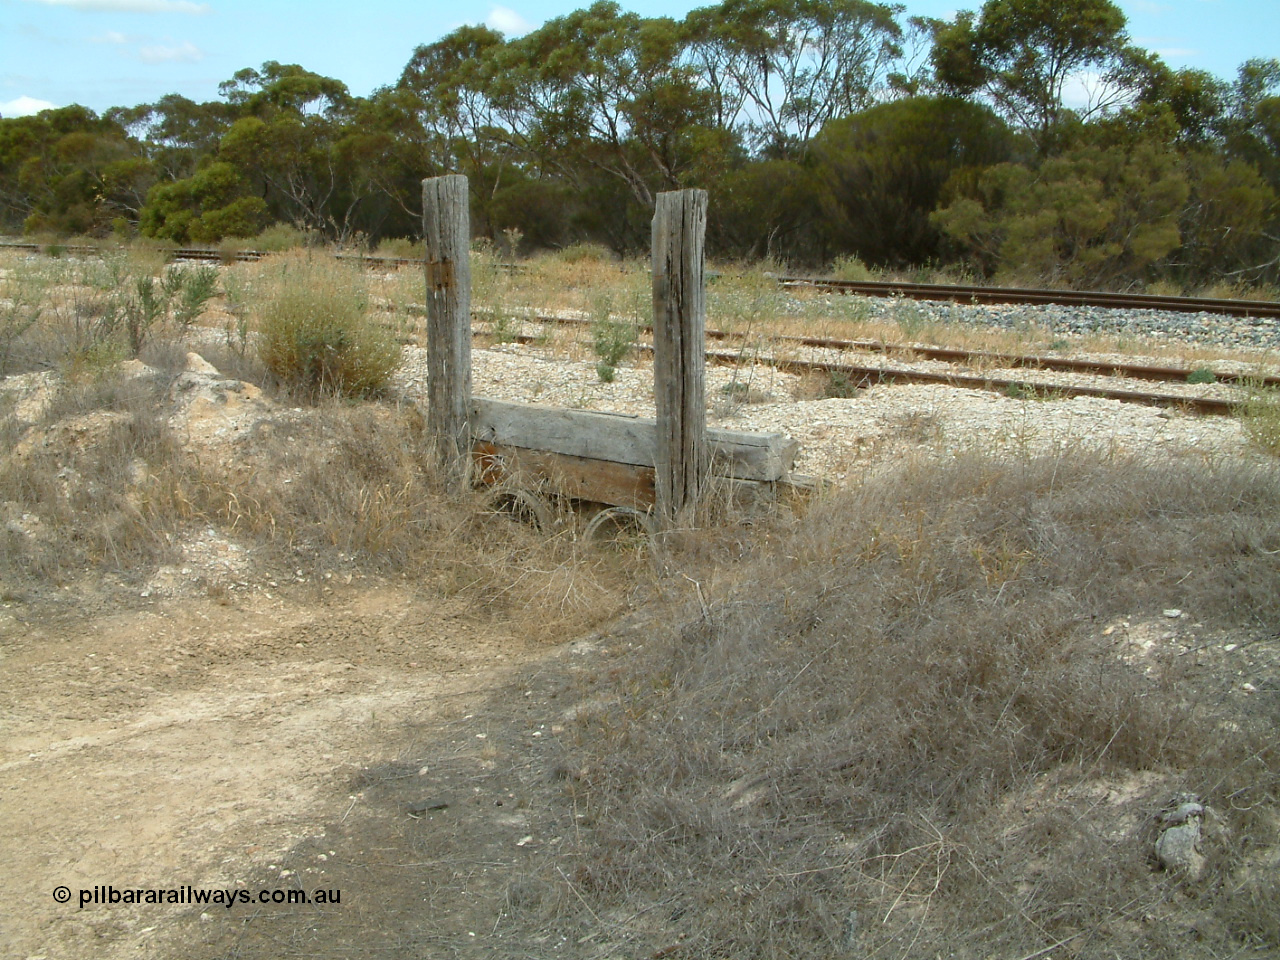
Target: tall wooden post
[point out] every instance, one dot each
(679, 350)
(446, 231)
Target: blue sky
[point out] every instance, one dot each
(103, 53)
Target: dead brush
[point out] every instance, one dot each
(363, 489)
(79, 486)
(884, 735)
(105, 487)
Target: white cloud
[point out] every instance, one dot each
(24, 107)
(113, 37)
(507, 21)
(1089, 91)
(185, 52)
(1167, 47)
(129, 6)
(1077, 92)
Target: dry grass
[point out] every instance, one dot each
(103, 489)
(75, 484)
(1260, 416)
(890, 727)
(896, 731)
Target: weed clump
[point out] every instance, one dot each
(315, 333)
(280, 237)
(401, 247)
(1201, 375)
(850, 267)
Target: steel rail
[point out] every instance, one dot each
(954, 293)
(861, 377)
(1132, 371)
(957, 293)
(956, 355)
(178, 253)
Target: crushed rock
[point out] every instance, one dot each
(31, 392)
(838, 435)
(208, 559)
(213, 410)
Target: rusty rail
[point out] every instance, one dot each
(957, 293)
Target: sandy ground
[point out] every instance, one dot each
(191, 742)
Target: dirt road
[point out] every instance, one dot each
(198, 742)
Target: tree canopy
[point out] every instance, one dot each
(1028, 136)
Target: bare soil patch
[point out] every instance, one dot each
(197, 742)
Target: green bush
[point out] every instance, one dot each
(611, 338)
(315, 334)
(851, 268)
(213, 203)
(1202, 375)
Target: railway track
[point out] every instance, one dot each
(197, 254)
(980, 357)
(952, 293)
(955, 293)
(860, 376)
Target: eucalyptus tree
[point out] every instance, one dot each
(284, 154)
(177, 132)
(1021, 55)
(68, 170)
(1096, 216)
(444, 88)
(601, 89)
(1251, 128)
(778, 70)
(883, 172)
(285, 141)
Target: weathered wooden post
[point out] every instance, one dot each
(446, 231)
(679, 350)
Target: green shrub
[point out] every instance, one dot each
(1201, 375)
(315, 334)
(611, 338)
(851, 268)
(839, 387)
